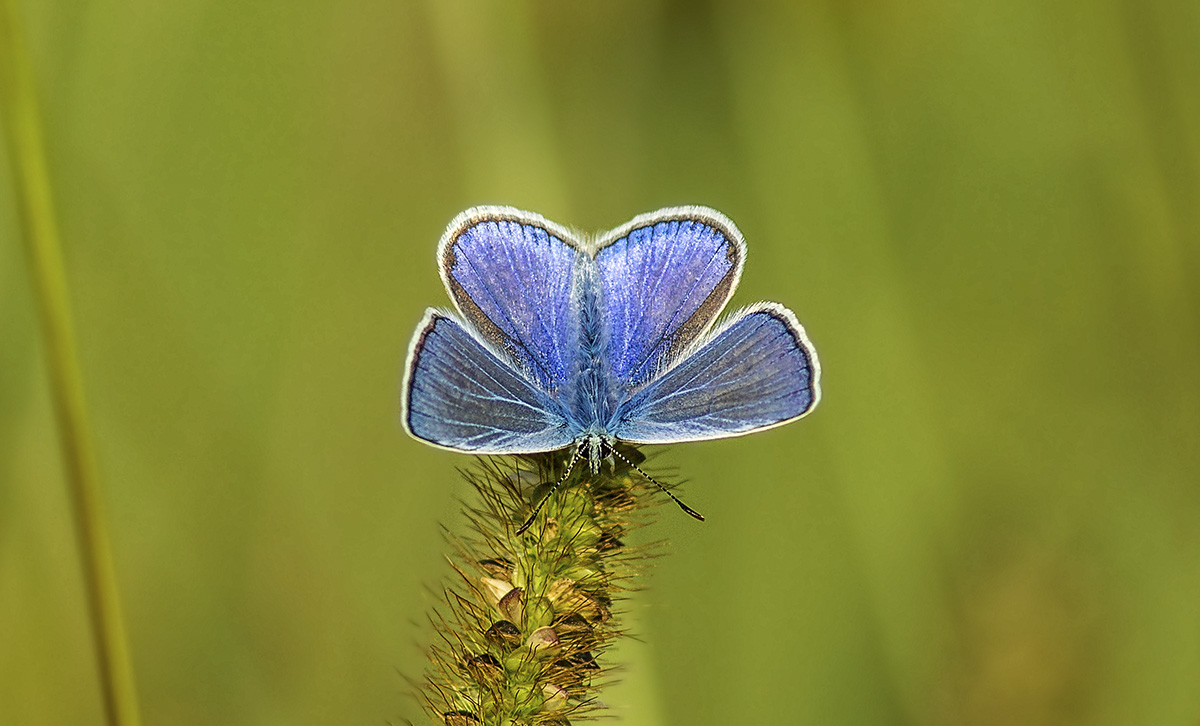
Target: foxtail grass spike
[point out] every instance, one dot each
(522, 637)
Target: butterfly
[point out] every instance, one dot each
(559, 340)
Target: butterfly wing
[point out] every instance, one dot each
(663, 278)
(459, 394)
(511, 275)
(757, 371)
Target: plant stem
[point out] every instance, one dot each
(35, 205)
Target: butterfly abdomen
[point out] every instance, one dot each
(593, 397)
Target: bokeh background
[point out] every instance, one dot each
(986, 214)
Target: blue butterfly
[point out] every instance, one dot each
(562, 341)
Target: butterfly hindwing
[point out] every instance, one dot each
(460, 395)
(511, 275)
(757, 371)
(663, 279)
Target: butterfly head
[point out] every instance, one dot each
(595, 447)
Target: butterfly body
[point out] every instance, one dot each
(560, 341)
(590, 399)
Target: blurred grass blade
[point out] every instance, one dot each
(36, 210)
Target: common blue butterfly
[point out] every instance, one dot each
(560, 340)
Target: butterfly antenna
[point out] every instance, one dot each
(557, 484)
(652, 480)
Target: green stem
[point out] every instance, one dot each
(31, 181)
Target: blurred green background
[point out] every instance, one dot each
(986, 214)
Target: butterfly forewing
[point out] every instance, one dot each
(663, 278)
(511, 274)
